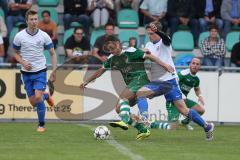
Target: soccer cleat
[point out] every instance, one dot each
(120, 124)
(209, 131)
(188, 127)
(141, 136)
(40, 129)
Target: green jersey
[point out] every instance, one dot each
(131, 65)
(187, 81)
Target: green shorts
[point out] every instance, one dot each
(137, 83)
(173, 114)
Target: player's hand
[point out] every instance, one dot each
(53, 76)
(200, 100)
(153, 27)
(169, 68)
(27, 65)
(104, 58)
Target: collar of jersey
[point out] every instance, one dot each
(156, 41)
(33, 33)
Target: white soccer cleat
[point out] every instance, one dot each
(189, 127)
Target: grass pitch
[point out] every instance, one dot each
(20, 141)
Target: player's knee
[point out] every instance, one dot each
(32, 102)
(201, 111)
(117, 108)
(38, 99)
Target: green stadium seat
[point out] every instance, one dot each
(95, 34)
(53, 12)
(13, 33)
(75, 24)
(48, 57)
(202, 36)
(67, 34)
(182, 41)
(49, 3)
(183, 27)
(146, 39)
(126, 34)
(127, 18)
(231, 39)
(2, 14)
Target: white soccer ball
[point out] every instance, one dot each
(102, 133)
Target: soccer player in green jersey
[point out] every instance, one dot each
(131, 65)
(187, 80)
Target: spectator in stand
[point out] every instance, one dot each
(208, 13)
(213, 49)
(100, 11)
(230, 12)
(155, 10)
(48, 26)
(77, 44)
(16, 13)
(3, 32)
(133, 42)
(76, 11)
(98, 51)
(181, 12)
(235, 55)
(123, 4)
(2, 52)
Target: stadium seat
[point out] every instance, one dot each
(202, 36)
(127, 18)
(53, 12)
(146, 39)
(183, 27)
(182, 41)
(95, 34)
(13, 33)
(67, 34)
(2, 14)
(183, 59)
(48, 3)
(48, 57)
(126, 34)
(75, 24)
(231, 39)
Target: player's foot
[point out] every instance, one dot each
(141, 136)
(188, 127)
(120, 124)
(41, 129)
(209, 131)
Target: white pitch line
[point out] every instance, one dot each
(119, 147)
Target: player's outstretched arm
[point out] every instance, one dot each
(54, 64)
(199, 95)
(155, 59)
(97, 74)
(165, 38)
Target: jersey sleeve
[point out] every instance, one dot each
(138, 54)
(198, 83)
(17, 42)
(107, 64)
(47, 41)
(180, 76)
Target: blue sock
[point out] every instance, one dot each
(142, 104)
(195, 117)
(45, 96)
(41, 112)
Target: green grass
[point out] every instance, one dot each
(20, 141)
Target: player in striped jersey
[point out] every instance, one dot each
(28, 47)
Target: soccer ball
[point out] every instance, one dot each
(102, 133)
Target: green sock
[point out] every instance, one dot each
(125, 112)
(140, 127)
(160, 125)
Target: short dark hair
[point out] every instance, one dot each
(76, 28)
(30, 12)
(109, 24)
(46, 11)
(213, 26)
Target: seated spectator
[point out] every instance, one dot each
(123, 4)
(235, 55)
(4, 33)
(76, 11)
(208, 13)
(213, 49)
(49, 26)
(100, 11)
(77, 44)
(98, 45)
(182, 12)
(155, 10)
(133, 42)
(2, 52)
(16, 13)
(4, 6)
(230, 12)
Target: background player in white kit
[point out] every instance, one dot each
(28, 47)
